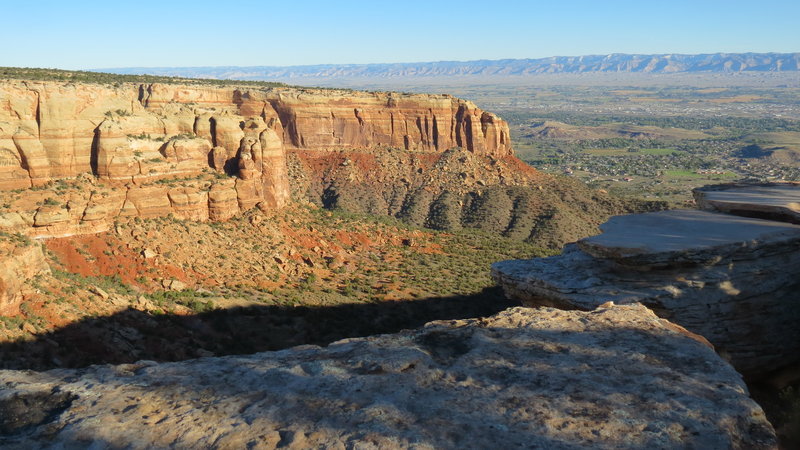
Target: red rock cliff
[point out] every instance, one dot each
(131, 135)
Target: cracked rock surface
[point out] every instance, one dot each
(617, 377)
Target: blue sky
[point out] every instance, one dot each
(109, 33)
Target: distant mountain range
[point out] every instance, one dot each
(709, 63)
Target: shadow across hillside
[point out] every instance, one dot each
(133, 335)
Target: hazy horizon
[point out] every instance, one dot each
(439, 61)
(96, 35)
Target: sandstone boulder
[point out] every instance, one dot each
(50, 215)
(617, 377)
(670, 238)
(228, 133)
(147, 202)
(103, 206)
(248, 193)
(219, 157)
(274, 173)
(192, 153)
(223, 201)
(12, 174)
(35, 158)
(114, 157)
(189, 203)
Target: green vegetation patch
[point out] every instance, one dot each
(632, 151)
(192, 299)
(107, 283)
(660, 151)
(15, 238)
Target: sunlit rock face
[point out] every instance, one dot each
(617, 377)
(130, 135)
(19, 262)
(731, 279)
(52, 130)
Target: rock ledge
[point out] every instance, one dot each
(732, 279)
(617, 377)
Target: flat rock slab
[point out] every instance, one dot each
(684, 237)
(776, 201)
(746, 303)
(617, 377)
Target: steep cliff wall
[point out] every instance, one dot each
(231, 142)
(20, 260)
(332, 119)
(53, 130)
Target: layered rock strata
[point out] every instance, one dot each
(86, 206)
(133, 135)
(616, 377)
(730, 279)
(51, 130)
(20, 261)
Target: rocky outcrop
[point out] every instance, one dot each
(730, 279)
(134, 135)
(87, 206)
(20, 261)
(616, 377)
(777, 201)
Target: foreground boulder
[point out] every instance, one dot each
(730, 279)
(544, 378)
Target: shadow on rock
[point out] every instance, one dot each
(133, 335)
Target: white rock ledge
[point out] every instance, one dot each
(617, 377)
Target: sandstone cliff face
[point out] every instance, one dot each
(20, 260)
(133, 135)
(325, 119)
(616, 377)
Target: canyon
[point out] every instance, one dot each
(191, 222)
